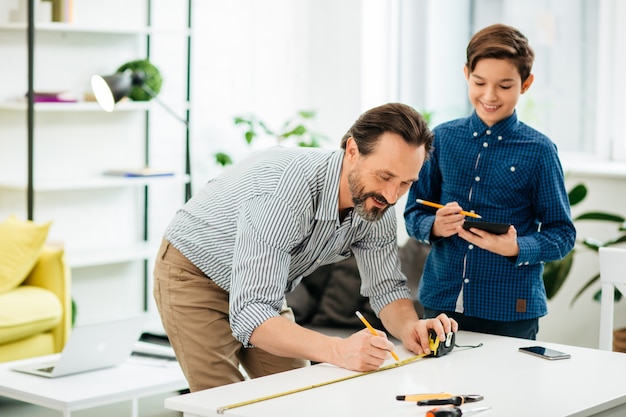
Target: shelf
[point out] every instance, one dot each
(109, 30)
(81, 106)
(106, 256)
(96, 182)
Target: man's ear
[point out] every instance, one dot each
(352, 150)
(466, 72)
(526, 84)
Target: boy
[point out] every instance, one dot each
(505, 171)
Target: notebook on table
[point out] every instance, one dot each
(91, 347)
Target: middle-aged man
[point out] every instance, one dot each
(249, 236)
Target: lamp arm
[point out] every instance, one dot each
(152, 94)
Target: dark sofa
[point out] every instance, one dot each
(328, 299)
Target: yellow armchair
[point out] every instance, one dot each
(36, 316)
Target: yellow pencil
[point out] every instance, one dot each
(371, 329)
(435, 205)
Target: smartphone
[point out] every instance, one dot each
(545, 353)
(495, 228)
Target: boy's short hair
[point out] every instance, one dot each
(501, 42)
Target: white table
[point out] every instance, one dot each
(134, 379)
(513, 384)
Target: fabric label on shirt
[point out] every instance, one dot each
(520, 305)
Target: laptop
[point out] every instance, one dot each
(91, 347)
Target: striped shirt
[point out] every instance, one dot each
(507, 173)
(265, 223)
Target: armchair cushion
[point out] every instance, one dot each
(45, 298)
(21, 243)
(28, 310)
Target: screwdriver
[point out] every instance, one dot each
(453, 411)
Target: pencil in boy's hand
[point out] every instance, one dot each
(436, 205)
(373, 331)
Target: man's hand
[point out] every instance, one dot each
(415, 334)
(363, 351)
(400, 319)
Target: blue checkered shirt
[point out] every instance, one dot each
(508, 173)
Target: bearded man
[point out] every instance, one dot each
(251, 234)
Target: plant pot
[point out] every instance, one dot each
(619, 340)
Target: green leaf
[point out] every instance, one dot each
(249, 135)
(601, 216)
(555, 273)
(296, 131)
(592, 243)
(617, 295)
(577, 194)
(266, 129)
(307, 114)
(223, 159)
(589, 283)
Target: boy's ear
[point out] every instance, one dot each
(466, 72)
(526, 84)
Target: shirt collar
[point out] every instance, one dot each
(502, 128)
(328, 208)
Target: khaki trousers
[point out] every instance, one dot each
(194, 312)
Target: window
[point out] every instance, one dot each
(577, 98)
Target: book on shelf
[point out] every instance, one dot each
(54, 97)
(63, 11)
(139, 172)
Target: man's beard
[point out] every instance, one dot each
(359, 196)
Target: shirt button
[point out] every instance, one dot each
(512, 169)
(466, 280)
(499, 137)
(488, 132)
(319, 261)
(526, 263)
(485, 144)
(475, 134)
(470, 247)
(520, 264)
(477, 179)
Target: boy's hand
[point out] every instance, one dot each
(505, 245)
(447, 220)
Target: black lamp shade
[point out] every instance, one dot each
(110, 89)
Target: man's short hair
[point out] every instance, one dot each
(396, 118)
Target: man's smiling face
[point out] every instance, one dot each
(379, 179)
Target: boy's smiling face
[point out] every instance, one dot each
(494, 89)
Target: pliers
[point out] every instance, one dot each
(453, 400)
(441, 398)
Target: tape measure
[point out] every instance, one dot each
(435, 351)
(221, 410)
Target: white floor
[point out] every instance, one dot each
(148, 407)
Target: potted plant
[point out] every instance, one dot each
(556, 272)
(296, 130)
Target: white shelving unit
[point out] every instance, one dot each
(53, 155)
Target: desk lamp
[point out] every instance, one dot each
(110, 89)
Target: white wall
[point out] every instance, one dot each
(275, 57)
